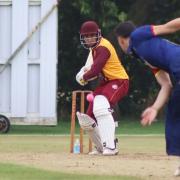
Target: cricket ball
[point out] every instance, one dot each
(90, 97)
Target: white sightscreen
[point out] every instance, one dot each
(5, 90)
(33, 88)
(5, 31)
(28, 84)
(5, 51)
(34, 43)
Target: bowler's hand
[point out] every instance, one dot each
(148, 116)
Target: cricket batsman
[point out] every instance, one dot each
(102, 62)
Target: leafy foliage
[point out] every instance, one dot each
(108, 13)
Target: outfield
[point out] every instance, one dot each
(31, 152)
(126, 126)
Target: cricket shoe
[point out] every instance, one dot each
(177, 172)
(110, 152)
(95, 152)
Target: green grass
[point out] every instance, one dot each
(23, 154)
(57, 144)
(36, 140)
(62, 128)
(16, 172)
(134, 127)
(126, 126)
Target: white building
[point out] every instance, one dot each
(28, 83)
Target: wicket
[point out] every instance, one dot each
(75, 95)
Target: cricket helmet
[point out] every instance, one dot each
(88, 29)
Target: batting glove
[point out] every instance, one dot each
(79, 78)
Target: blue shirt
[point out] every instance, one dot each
(158, 52)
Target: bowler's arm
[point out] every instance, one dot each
(164, 81)
(150, 113)
(169, 27)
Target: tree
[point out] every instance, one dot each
(108, 13)
(71, 55)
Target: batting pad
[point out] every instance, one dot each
(85, 121)
(101, 110)
(89, 125)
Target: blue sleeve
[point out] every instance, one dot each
(142, 33)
